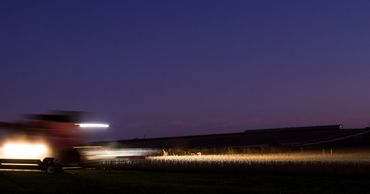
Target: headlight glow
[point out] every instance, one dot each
(93, 125)
(24, 151)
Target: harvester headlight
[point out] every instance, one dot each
(24, 151)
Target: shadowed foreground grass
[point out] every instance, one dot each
(99, 181)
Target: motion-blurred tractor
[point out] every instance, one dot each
(44, 141)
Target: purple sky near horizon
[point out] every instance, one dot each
(165, 68)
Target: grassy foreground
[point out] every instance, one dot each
(99, 181)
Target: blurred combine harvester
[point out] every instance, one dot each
(44, 141)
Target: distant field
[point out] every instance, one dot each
(286, 163)
(278, 157)
(100, 181)
(246, 173)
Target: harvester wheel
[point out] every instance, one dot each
(51, 169)
(51, 166)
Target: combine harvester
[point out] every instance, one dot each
(44, 142)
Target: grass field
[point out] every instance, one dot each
(100, 181)
(248, 173)
(289, 164)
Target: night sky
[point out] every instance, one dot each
(165, 68)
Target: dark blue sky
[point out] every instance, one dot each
(163, 68)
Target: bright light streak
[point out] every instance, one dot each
(93, 125)
(19, 164)
(115, 153)
(24, 151)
